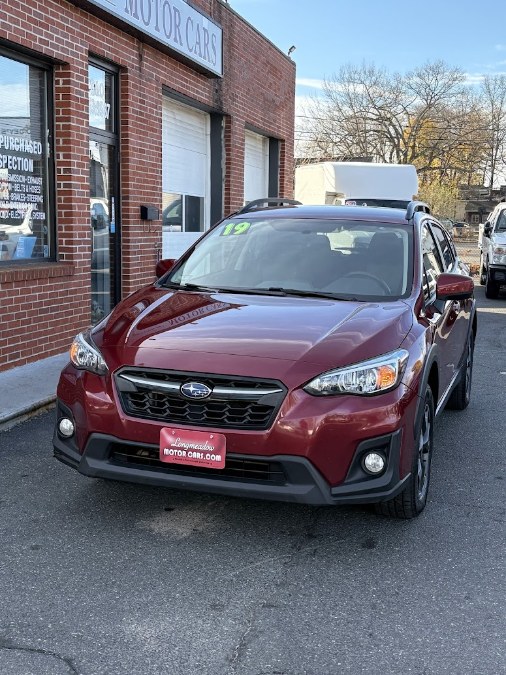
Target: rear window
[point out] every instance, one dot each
(390, 203)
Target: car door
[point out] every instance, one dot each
(460, 309)
(499, 226)
(486, 240)
(442, 316)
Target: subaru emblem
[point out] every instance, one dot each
(195, 390)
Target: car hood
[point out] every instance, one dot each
(247, 334)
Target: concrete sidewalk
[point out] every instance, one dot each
(27, 389)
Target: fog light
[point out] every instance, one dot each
(374, 462)
(66, 427)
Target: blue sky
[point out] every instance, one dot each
(395, 34)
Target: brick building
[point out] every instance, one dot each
(127, 127)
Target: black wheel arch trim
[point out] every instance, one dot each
(424, 382)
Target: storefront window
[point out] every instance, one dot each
(25, 230)
(182, 213)
(172, 212)
(101, 99)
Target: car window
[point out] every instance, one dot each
(501, 221)
(445, 246)
(432, 264)
(358, 259)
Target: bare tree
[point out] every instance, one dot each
(493, 99)
(426, 117)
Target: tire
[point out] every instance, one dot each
(412, 500)
(491, 288)
(483, 272)
(461, 395)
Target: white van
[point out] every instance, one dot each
(492, 245)
(356, 184)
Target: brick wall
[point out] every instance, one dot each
(43, 305)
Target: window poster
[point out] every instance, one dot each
(24, 232)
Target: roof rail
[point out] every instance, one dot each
(265, 202)
(414, 207)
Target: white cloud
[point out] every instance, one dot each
(473, 78)
(309, 82)
(14, 100)
(301, 105)
(501, 48)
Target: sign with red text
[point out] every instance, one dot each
(194, 448)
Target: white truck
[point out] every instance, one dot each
(356, 184)
(492, 245)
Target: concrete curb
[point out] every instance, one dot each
(29, 389)
(9, 421)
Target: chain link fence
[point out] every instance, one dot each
(467, 248)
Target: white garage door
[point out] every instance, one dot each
(185, 176)
(256, 166)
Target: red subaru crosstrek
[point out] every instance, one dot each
(297, 353)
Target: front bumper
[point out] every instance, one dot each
(316, 444)
(278, 478)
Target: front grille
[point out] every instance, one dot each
(237, 467)
(234, 403)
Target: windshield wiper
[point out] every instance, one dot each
(273, 290)
(190, 287)
(198, 287)
(268, 290)
(308, 294)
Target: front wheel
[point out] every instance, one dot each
(412, 500)
(461, 395)
(491, 288)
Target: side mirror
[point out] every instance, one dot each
(487, 229)
(454, 287)
(163, 266)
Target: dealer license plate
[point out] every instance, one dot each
(196, 448)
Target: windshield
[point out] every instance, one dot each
(346, 258)
(501, 222)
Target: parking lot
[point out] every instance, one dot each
(114, 578)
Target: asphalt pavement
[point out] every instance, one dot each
(110, 578)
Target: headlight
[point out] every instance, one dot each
(367, 378)
(85, 355)
(499, 254)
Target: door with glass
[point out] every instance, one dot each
(103, 229)
(105, 248)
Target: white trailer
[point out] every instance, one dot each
(356, 184)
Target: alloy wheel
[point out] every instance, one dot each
(469, 370)
(424, 453)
